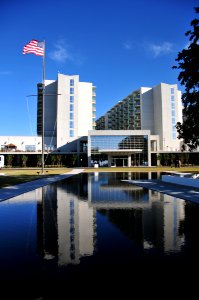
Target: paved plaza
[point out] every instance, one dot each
(16, 190)
(174, 190)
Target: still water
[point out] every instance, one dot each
(96, 228)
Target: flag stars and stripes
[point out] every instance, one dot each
(34, 47)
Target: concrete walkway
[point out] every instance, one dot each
(174, 190)
(15, 190)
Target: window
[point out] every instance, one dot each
(118, 142)
(71, 90)
(71, 124)
(172, 91)
(71, 133)
(172, 98)
(71, 99)
(71, 82)
(30, 148)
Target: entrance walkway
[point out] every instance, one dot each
(174, 190)
(15, 190)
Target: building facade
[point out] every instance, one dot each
(123, 148)
(20, 144)
(157, 109)
(131, 133)
(69, 110)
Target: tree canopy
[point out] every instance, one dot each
(188, 62)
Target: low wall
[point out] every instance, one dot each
(181, 180)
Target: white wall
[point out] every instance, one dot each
(82, 113)
(180, 107)
(163, 115)
(21, 142)
(63, 104)
(84, 108)
(147, 109)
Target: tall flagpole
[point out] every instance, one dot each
(39, 49)
(43, 103)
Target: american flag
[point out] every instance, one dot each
(34, 47)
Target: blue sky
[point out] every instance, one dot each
(118, 45)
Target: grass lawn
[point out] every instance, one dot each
(144, 169)
(15, 176)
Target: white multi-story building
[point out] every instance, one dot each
(161, 109)
(130, 133)
(137, 126)
(69, 110)
(157, 109)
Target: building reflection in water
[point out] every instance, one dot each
(65, 225)
(162, 221)
(66, 215)
(154, 218)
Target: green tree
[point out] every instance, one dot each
(39, 160)
(73, 159)
(166, 157)
(24, 160)
(188, 62)
(53, 159)
(9, 159)
(59, 159)
(159, 159)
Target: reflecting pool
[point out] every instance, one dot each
(95, 229)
